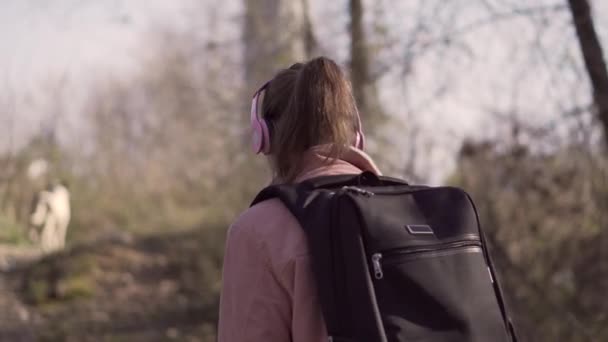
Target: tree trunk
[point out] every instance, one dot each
(358, 53)
(275, 36)
(310, 40)
(593, 57)
(364, 88)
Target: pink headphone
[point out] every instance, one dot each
(261, 133)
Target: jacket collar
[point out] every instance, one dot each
(316, 163)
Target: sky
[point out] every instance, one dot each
(40, 38)
(51, 44)
(449, 91)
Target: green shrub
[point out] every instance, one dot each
(12, 232)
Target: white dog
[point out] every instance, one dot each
(51, 213)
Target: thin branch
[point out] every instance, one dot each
(415, 46)
(593, 56)
(504, 16)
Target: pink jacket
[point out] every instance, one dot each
(268, 290)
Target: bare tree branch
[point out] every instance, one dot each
(593, 57)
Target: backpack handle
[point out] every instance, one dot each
(325, 182)
(364, 178)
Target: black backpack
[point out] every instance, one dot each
(397, 263)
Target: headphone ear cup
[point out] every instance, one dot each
(256, 137)
(264, 137)
(257, 125)
(360, 140)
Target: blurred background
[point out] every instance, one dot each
(139, 109)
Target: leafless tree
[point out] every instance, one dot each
(276, 34)
(364, 87)
(593, 56)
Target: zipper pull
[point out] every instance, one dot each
(376, 257)
(356, 190)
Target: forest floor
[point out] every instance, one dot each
(155, 288)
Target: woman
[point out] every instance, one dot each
(309, 126)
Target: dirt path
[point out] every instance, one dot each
(14, 256)
(15, 318)
(150, 289)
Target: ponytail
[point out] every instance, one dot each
(319, 111)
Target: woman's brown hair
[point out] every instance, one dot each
(308, 105)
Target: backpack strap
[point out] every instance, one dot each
(295, 198)
(496, 283)
(301, 200)
(288, 194)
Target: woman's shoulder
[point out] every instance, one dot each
(271, 226)
(260, 215)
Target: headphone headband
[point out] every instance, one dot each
(261, 133)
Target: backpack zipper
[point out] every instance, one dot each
(409, 189)
(357, 190)
(434, 250)
(376, 257)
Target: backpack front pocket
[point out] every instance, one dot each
(429, 293)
